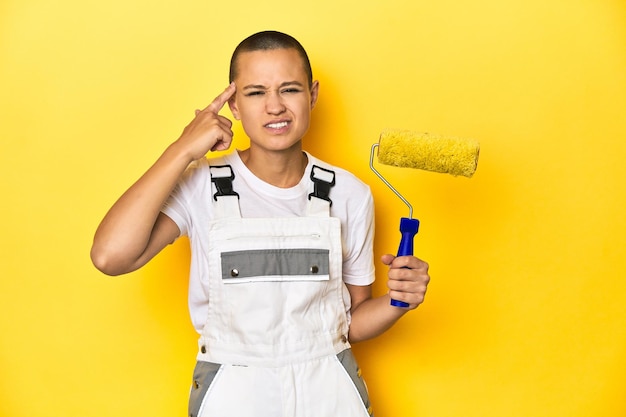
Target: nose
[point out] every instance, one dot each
(274, 103)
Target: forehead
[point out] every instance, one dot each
(270, 63)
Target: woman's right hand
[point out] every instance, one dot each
(208, 131)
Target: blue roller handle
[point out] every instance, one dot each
(408, 228)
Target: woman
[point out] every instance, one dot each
(281, 267)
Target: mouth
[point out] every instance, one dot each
(277, 125)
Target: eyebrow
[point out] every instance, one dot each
(262, 87)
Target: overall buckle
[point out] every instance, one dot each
(323, 179)
(222, 176)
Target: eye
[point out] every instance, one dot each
(254, 93)
(291, 90)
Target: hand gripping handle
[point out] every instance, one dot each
(408, 228)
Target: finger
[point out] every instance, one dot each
(221, 146)
(408, 278)
(224, 142)
(224, 122)
(412, 299)
(407, 288)
(387, 259)
(222, 99)
(409, 262)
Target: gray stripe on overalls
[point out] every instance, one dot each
(203, 375)
(348, 361)
(274, 262)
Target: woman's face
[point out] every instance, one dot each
(273, 98)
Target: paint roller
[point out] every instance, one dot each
(408, 149)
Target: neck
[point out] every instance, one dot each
(281, 169)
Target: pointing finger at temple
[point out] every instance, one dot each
(219, 101)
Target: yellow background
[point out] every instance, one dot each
(525, 315)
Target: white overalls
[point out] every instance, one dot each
(275, 341)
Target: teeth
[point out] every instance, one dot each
(277, 125)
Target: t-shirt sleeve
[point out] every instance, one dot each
(358, 263)
(177, 205)
(175, 210)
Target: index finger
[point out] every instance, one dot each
(410, 261)
(219, 101)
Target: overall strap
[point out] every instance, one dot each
(319, 201)
(226, 199)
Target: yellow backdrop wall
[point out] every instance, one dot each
(525, 313)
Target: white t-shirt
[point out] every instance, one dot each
(191, 207)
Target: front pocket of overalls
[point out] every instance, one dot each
(252, 307)
(348, 361)
(203, 376)
(274, 296)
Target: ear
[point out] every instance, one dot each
(232, 104)
(315, 89)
